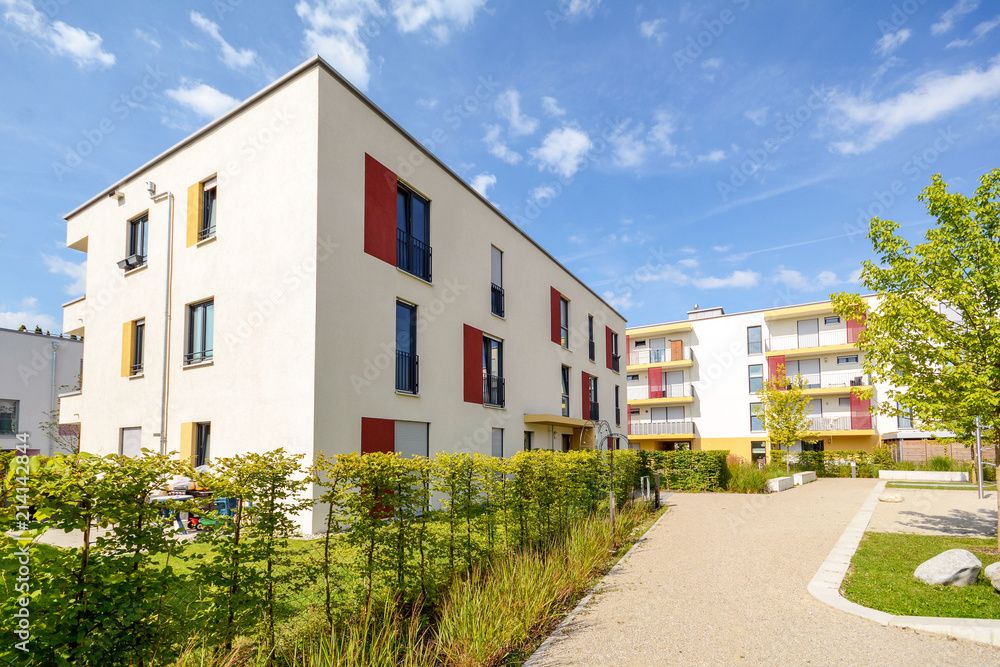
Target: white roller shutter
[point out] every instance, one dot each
(498, 442)
(132, 442)
(411, 439)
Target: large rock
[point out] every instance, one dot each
(992, 574)
(890, 498)
(955, 567)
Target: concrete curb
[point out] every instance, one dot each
(561, 629)
(825, 587)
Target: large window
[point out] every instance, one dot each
(208, 210)
(413, 250)
(564, 322)
(590, 337)
(136, 243)
(905, 417)
(493, 383)
(201, 318)
(615, 357)
(8, 417)
(618, 407)
(496, 278)
(594, 406)
(565, 391)
(756, 373)
(754, 341)
(407, 362)
(755, 423)
(138, 346)
(203, 436)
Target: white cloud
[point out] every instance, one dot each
(333, 30)
(712, 63)
(563, 150)
(891, 41)
(482, 182)
(202, 99)
(935, 95)
(796, 280)
(29, 316)
(713, 156)
(233, 58)
(688, 263)
(146, 37)
(855, 276)
(621, 301)
(59, 38)
(579, 7)
(757, 116)
(722, 248)
(551, 106)
(661, 132)
(979, 32)
(439, 15)
(543, 192)
(508, 107)
(948, 19)
(427, 103)
(629, 150)
(77, 273)
(737, 279)
(654, 30)
(498, 148)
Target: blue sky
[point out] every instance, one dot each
(670, 154)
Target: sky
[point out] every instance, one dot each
(670, 154)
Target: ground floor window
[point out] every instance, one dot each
(527, 440)
(566, 439)
(812, 445)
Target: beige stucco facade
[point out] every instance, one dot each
(304, 316)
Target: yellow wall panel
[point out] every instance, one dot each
(195, 193)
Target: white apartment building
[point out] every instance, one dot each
(302, 273)
(34, 370)
(693, 383)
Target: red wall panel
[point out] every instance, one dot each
(854, 328)
(861, 418)
(608, 334)
(555, 301)
(655, 382)
(772, 366)
(377, 435)
(380, 211)
(585, 389)
(473, 365)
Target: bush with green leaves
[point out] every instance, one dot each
(701, 470)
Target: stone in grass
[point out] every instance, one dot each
(955, 567)
(992, 574)
(891, 498)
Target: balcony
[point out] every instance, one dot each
(831, 338)
(493, 391)
(413, 255)
(836, 382)
(496, 303)
(821, 424)
(682, 390)
(407, 372)
(69, 407)
(73, 313)
(650, 356)
(673, 427)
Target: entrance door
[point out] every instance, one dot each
(808, 333)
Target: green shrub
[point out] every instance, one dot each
(746, 478)
(939, 464)
(692, 470)
(867, 470)
(906, 465)
(989, 473)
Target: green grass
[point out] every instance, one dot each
(951, 487)
(881, 577)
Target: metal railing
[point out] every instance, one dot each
(639, 393)
(829, 423)
(413, 255)
(671, 427)
(206, 232)
(197, 357)
(135, 369)
(493, 391)
(407, 372)
(655, 356)
(497, 301)
(794, 341)
(834, 380)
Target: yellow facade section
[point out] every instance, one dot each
(666, 365)
(736, 446)
(846, 348)
(675, 400)
(195, 194)
(128, 347)
(188, 435)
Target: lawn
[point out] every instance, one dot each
(881, 577)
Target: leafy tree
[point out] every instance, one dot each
(783, 410)
(933, 330)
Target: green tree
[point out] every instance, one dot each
(933, 329)
(783, 410)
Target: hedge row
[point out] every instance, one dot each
(837, 463)
(690, 470)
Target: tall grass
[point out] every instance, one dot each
(747, 478)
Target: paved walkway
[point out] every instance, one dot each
(722, 581)
(956, 512)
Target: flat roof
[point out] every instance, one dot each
(313, 62)
(744, 312)
(58, 336)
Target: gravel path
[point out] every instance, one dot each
(957, 512)
(722, 581)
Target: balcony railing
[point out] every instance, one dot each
(615, 362)
(413, 255)
(639, 393)
(135, 369)
(407, 372)
(493, 391)
(829, 423)
(794, 341)
(197, 357)
(565, 405)
(595, 410)
(672, 427)
(654, 356)
(497, 301)
(206, 232)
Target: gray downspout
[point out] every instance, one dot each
(166, 315)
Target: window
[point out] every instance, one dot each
(618, 409)
(493, 382)
(905, 417)
(138, 343)
(634, 377)
(136, 243)
(564, 322)
(200, 325)
(528, 436)
(130, 441)
(594, 406)
(411, 439)
(831, 319)
(755, 422)
(8, 417)
(851, 359)
(758, 450)
(634, 412)
(566, 442)
(590, 336)
(756, 373)
(844, 402)
(496, 277)
(812, 445)
(406, 348)
(565, 391)
(497, 442)
(754, 345)
(640, 343)
(207, 228)
(203, 434)
(615, 357)
(413, 250)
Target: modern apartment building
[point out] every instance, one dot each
(302, 273)
(34, 369)
(693, 383)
